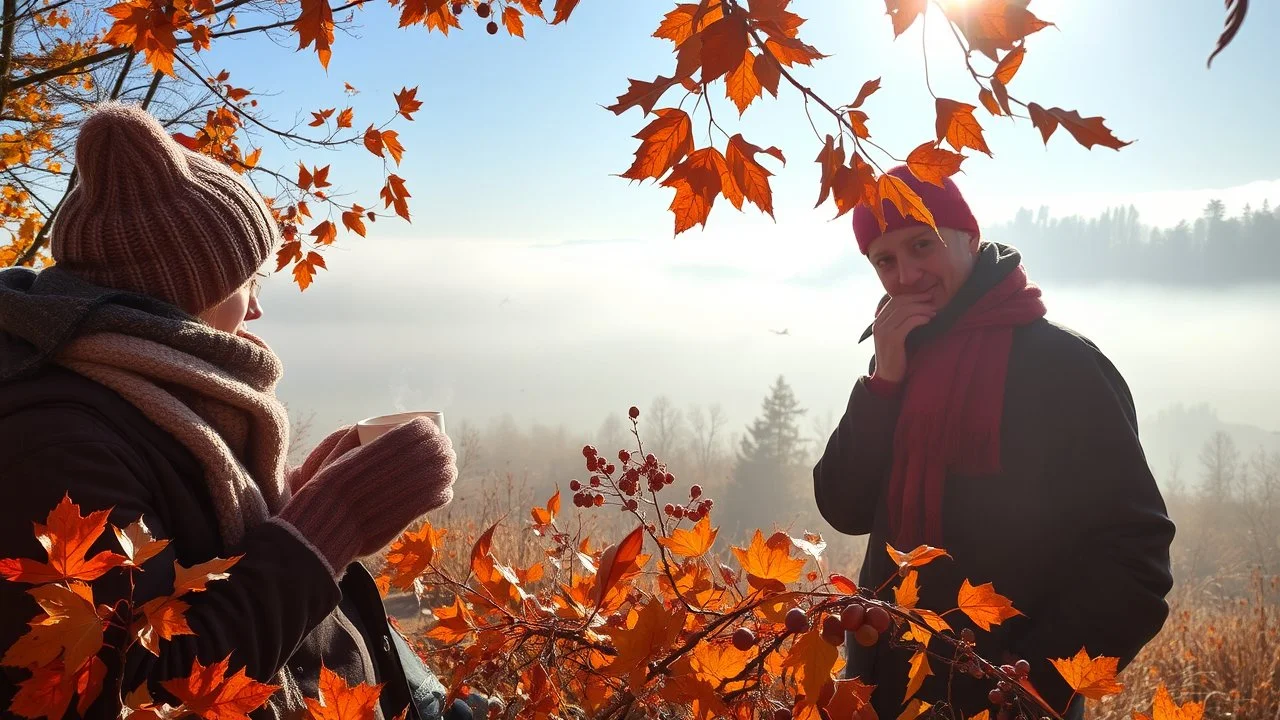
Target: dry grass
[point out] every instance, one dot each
(1219, 647)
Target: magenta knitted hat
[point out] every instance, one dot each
(149, 216)
(946, 203)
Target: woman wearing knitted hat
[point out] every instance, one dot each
(129, 382)
(1007, 440)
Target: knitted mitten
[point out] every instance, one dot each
(363, 500)
(338, 443)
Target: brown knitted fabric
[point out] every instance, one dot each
(339, 443)
(149, 216)
(362, 501)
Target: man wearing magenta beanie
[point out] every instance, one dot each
(1010, 441)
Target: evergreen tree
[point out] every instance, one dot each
(770, 465)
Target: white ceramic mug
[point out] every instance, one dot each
(370, 429)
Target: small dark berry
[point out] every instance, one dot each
(624, 456)
(632, 505)
(695, 492)
(878, 618)
(574, 485)
(588, 451)
(599, 500)
(678, 512)
(609, 469)
(832, 631)
(867, 636)
(491, 28)
(797, 621)
(669, 509)
(595, 482)
(744, 639)
(1022, 668)
(967, 635)
(650, 459)
(996, 697)
(634, 412)
(852, 617)
(482, 10)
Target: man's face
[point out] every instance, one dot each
(914, 260)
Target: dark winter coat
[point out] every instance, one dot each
(62, 434)
(1073, 529)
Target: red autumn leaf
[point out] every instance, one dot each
(724, 43)
(907, 593)
(533, 7)
(209, 693)
(850, 699)
(615, 562)
(741, 85)
(957, 125)
(341, 701)
(994, 25)
(907, 202)
(751, 177)
(677, 24)
(988, 101)
(395, 193)
(325, 233)
(1002, 96)
(843, 584)
(1009, 64)
(563, 9)
(868, 88)
(161, 619)
(47, 693)
(1094, 678)
(346, 117)
(353, 220)
(858, 121)
(315, 27)
(664, 142)
(67, 537)
(412, 553)
(289, 252)
(856, 184)
(435, 14)
(790, 51)
(320, 117)
(812, 659)
(655, 630)
(933, 164)
(641, 94)
(830, 159)
(407, 102)
(547, 515)
(697, 181)
(513, 21)
(453, 623)
(1088, 131)
(768, 72)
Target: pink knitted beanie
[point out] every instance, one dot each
(151, 217)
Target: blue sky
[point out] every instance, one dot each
(512, 141)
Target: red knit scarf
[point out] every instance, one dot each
(952, 403)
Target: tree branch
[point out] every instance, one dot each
(6, 47)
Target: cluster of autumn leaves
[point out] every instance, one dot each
(657, 623)
(751, 47)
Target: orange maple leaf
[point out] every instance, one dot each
(692, 543)
(340, 701)
(353, 220)
(921, 556)
(813, 660)
(69, 630)
(641, 94)
(984, 606)
(697, 181)
(907, 593)
(346, 118)
(664, 142)
(868, 88)
(546, 515)
(304, 270)
(411, 554)
(856, 185)
(957, 125)
(326, 233)
(849, 698)
(677, 25)
(988, 100)
(1164, 708)
(724, 43)
(749, 176)
(320, 117)
(993, 25)
(903, 13)
(46, 694)
(162, 619)
(908, 203)
(289, 252)
(655, 629)
(407, 102)
(196, 577)
(209, 693)
(66, 537)
(858, 121)
(453, 623)
(919, 670)
(148, 26)
(315, 27)
(1094, 678)
(933, 164)
(768, 72)
(770, 560)
(563, 9)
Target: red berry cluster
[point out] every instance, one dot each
(1005, 696)
(697, 508)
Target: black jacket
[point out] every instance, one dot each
(1073, 529)
(62, 434)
